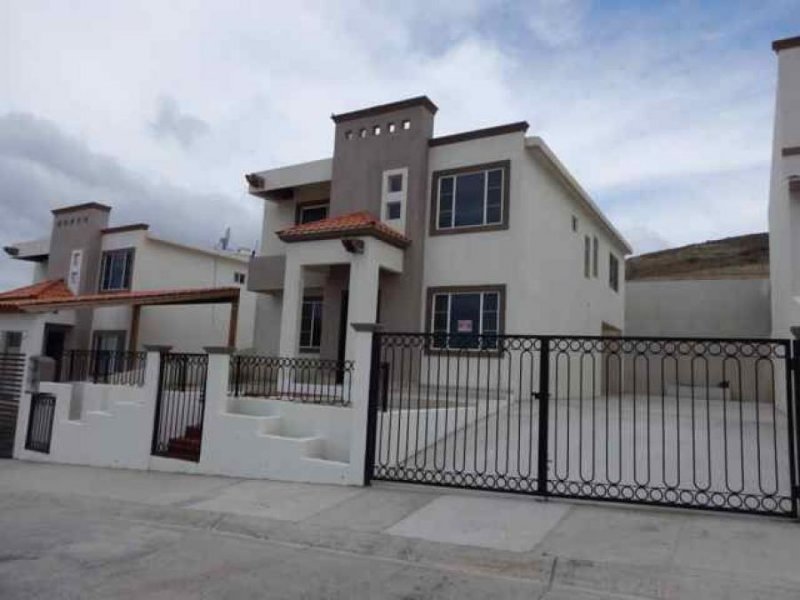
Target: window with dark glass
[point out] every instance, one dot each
(312, 212)
(466, 319)
(613, 272)
(471, 199)
(116, 269)
(587, 256)
(311, 324)
(393, 210)
(596, 257)
(395, 183)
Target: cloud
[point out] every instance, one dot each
(557, 22)
(170, 122)
(42, 168)
(662, 111)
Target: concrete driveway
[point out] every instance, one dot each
(79, 532)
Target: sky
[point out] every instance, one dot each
(662, 110)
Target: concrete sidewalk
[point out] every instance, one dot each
(462, 544)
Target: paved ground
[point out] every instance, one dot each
(77, 532)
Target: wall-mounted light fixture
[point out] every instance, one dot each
(353, 246)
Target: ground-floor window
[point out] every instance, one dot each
(466, 317)
(311, 324)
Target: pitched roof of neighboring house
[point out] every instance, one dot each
(141, 297)
(53, 289)
(352, 224)
(740, 257)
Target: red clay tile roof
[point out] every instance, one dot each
(352, 224)
(51, 289)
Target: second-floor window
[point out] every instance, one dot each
(116, 270)
(308, 213)
(471, 199)
(613, 272)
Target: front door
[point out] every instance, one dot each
(55, 338)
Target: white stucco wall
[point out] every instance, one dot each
(784, 206)
(698, 308)
(188, 328)
(539, 258)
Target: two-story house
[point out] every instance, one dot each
(117, 288)
(482, 231)
(784, 196)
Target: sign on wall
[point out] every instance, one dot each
(465, 326)
(74, 276)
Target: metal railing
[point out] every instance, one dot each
(699, 423)
(311, 380)
(40, 423)
(180, 406)
(103, 366)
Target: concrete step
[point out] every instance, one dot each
(254, 407)
(300, 446)
(321, 470)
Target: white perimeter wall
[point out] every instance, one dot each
(539, 258)
(698, 308)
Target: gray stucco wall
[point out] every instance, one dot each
(698, 308)
(358, 166)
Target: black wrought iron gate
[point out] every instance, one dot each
(695, 423)
(180, 405)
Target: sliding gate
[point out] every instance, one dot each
(694, 423)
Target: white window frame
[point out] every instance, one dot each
(310, 206)
(455, 177)
(390, 197)
(127, 275)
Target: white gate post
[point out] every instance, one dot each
(216, 402)
(361, 343)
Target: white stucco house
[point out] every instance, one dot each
(784, 198)
(483, 231)
(117, 288)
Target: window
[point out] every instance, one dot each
(11, 341)
(362, 133)
(406, 124)
(574, 223)
(472, 198)
(311, 324)
(393, 210)
(587, 256)
(392, 127)
(376, 130)
(348, 135)
(395, 183)
(613, 272)
(466, 317)
(238, 277)
(596, 257)
(309, 213)
(108, 341)
(116, 270)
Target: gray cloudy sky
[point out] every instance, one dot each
(663, 110)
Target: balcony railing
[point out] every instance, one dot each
(103, 366)
(311, 380)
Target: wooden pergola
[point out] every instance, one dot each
(137, 299)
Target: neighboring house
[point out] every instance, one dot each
(483, 231)
(784, 199)
(718, 288)
(118, 288)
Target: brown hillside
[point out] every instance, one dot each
(740, 257)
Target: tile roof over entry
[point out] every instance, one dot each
(53, 295)
(52, 289)
(352, 224)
